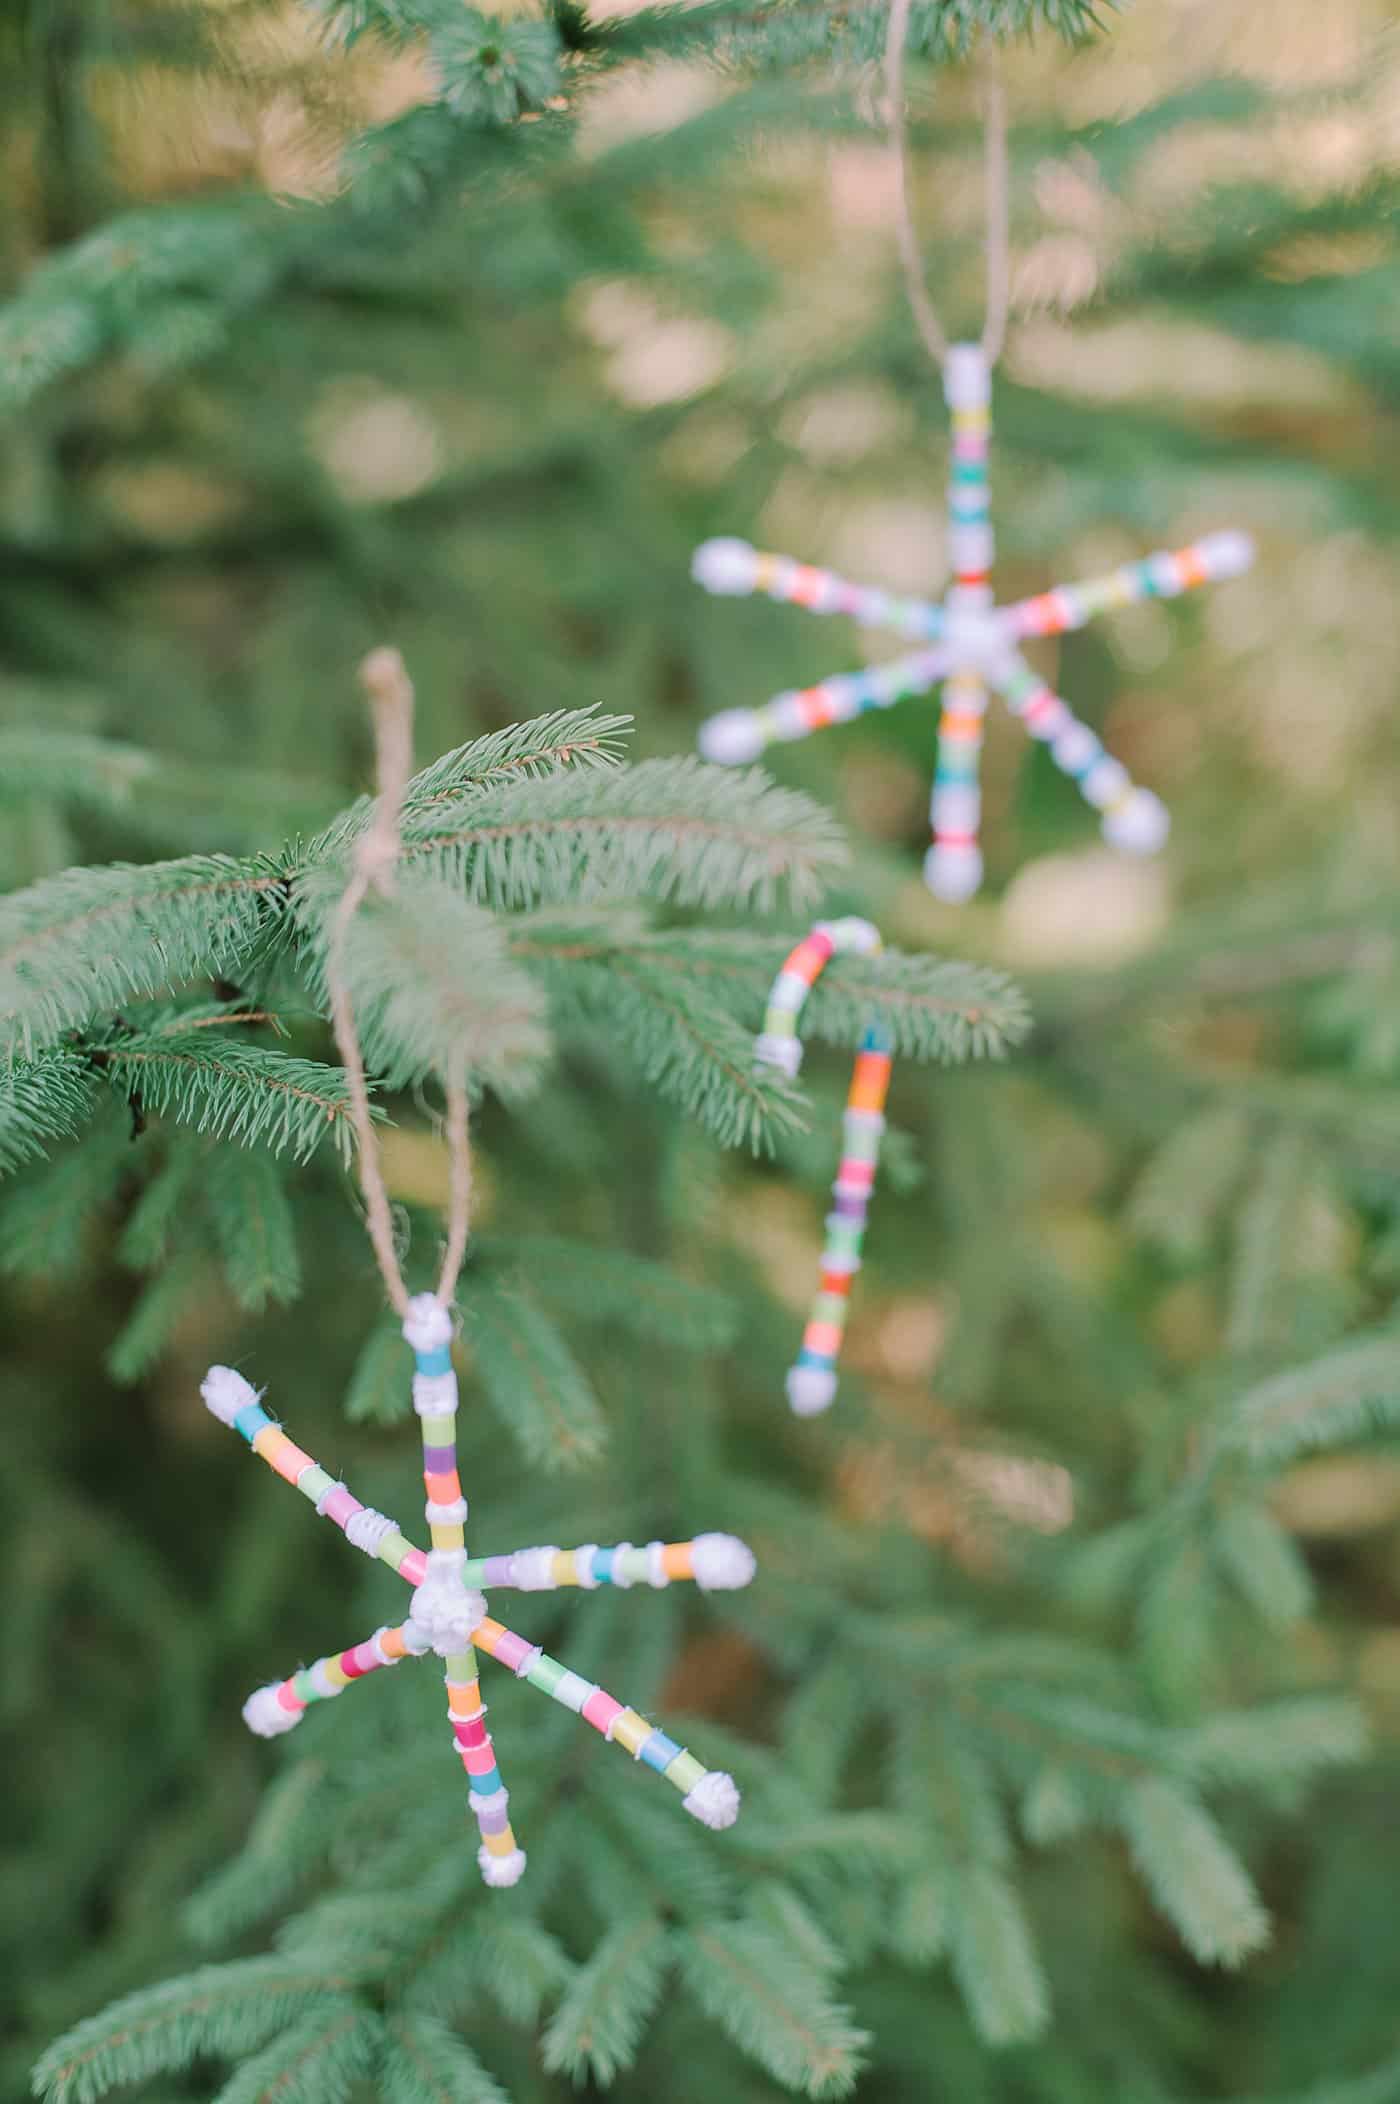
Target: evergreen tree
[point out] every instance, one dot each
(1052, 1703)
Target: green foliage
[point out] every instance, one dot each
(463, 330)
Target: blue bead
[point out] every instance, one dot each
(823, 1360)
(439, 1361)
(251, 1420)
(658, 1752)
(602, 1566)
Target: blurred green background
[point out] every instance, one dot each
(490, 418)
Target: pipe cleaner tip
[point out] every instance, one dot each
(860, 937)
(501, 1870)
(721, 1562)
(1228, 553)
(726, 566)
(265, 1715)
(428, 1325)
(810, 1390)
(226, 1392)
(953, 874)
(1139, 825)
(731, 738)
(714, 1801)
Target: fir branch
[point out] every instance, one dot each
(225, 2011)
(231, 1090)
(81, 943)
(748, 1983)
(1290, 1741)
(424, 2062)
(993, 1957)
(287, 1835)
(431, 983)
(685, 1045)
(1339, 1396)
(600, 1285)
(544, 745)
(1196, 1878)
(531, 1378)
(46, 1215)
(42, 1100)
(933, 1008)
(255, 1230)
(670, 829)
(594, 2033)
(316, 2061)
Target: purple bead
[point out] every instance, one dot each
(849, 1208)
(439, 1461)
(493, 1821)
(497, 1571)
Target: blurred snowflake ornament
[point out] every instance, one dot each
(969, 647)
(447, 1611)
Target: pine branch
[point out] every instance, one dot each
(1195, 1877)
(531, 1378)
(225, 2011)
(85, 941)
(424, 2062)
(599, 1285)
(1290, 1740)
(255, 1230)
(595, 2031)
(1340, 1396)
(772, 2008)
(42, 1100)
(993, 1957)
(670, 829)
(229, 1089)
(317, 2061)
(431, 981)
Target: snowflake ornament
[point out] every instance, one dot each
(447, 1611)
(969, 646)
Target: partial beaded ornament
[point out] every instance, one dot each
(447, 1610)
(967, 645)
(811, 1380)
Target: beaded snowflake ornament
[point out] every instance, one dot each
(447, 1611)
(811, 1381)
(968, 645)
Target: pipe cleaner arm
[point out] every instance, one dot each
(811, 1381)
(736, 736)
(1164, 575)
(708, 1794)
(235, 1402)
(1132, 818)
(732, 569)
(716, 1562)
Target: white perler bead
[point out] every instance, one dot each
(971, 547)
(1074, 748)
(714, 1801)
(731, 738)
(226, 1392)
(1226, 554)
(952, 873)
(533, 1569)
(726, 566)
(721, 1562)
(446, 1612)
(785, 1053)
(1106, 781)
(957, 807)
(264, 1714)
(810, 1390)
(501, 1870)
(620, 1581)
(967, 378)
(435, 1394)
(583, 1565)
(1140, 825)
(656, 1568)
(427, 1326)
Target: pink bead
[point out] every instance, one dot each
(600, 1711)
(340, 1506)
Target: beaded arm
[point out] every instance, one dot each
(811, 1381)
